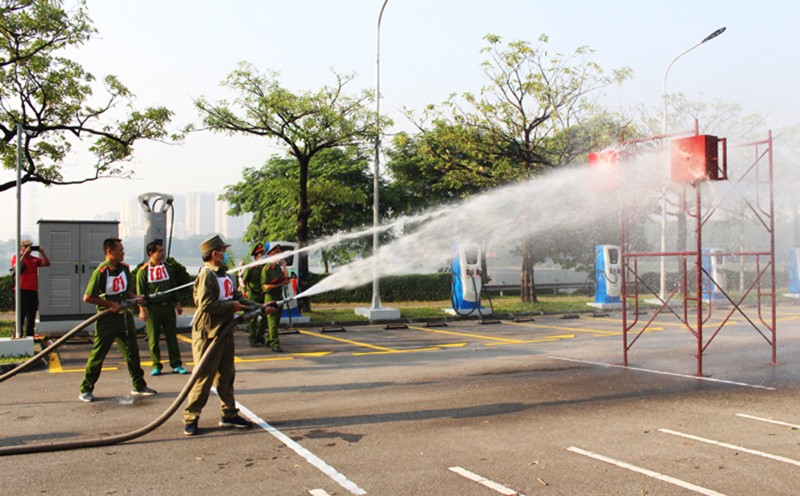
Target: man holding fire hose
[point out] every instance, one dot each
(217, 300)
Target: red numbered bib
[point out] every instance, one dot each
(225, 288)
(116, 284)
(157, 274)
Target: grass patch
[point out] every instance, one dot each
(14, 359)
(6, 328)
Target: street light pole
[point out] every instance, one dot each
(376, 311)
(18, 331)
(663, 278)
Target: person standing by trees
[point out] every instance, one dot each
(29, 283)
(109, 286)
(274, 277)
(251, 278)
(159, 311)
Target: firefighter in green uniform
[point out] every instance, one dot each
(273, 278)
(109, 285)
(251, 277)
(217, 301)
(159, 311)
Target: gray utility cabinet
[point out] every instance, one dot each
(75, 248)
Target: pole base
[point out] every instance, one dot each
(378, 313)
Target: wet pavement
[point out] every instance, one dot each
(538, 407)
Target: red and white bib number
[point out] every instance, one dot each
(157, 274)
(225, 288)
(116, 284)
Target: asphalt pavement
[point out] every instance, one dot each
(538, 407)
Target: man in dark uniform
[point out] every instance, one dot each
(217, 301)
(109, 285)
(274, 277)
(251, 277)
(159, 311)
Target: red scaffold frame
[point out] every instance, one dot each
(692, 272)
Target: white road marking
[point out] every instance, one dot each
(661, 372)
(485, 482)
(732, 446)
(647, 472)
(318, 492)
(313, 459)
(777, 422)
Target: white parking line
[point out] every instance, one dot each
(661, 372)
(647, 472)
(732, 446)
(485, 482)
(770, 421)
(318, 492)
(313, 459)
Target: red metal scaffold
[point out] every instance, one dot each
(695, 279)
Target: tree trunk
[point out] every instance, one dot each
(528, 291)
(303, 213)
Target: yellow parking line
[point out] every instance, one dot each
(414, 350)
(184, 339)
(264, 359)
(348, 341)
(467, 334)
(563, 328)
(546, 339)
(54, 366)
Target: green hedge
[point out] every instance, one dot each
(6, 293)
(421, 287)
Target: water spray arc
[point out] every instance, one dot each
(664, 133)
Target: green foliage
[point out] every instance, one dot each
(52, 97)
(418, 287)
(306, 123)
(6, 293)
(339, 189)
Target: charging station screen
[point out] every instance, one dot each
(613, 257)
(471, 256)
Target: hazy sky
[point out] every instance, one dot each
(170, 52)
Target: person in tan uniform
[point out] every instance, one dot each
(217, 300)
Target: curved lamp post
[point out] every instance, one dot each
(663, 278)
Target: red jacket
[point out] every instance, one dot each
(29, 277)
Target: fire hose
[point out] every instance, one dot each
(120, 438)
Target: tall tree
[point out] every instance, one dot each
(306, 123)
(339, 187)
(52, 97)
(537, 111)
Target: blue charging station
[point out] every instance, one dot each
(714, 265)
(607, 277)
(794, 273)
(290, 312)
(466, 283)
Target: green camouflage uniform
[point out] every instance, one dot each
(151, 279)
(112, 283)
